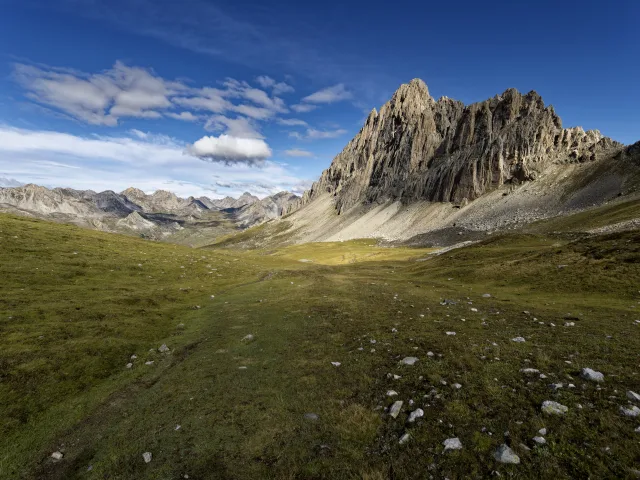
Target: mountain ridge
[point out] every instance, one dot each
(417, 148)
(160, 215)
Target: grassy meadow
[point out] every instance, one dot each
(75, 305)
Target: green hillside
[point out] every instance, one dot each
(75, 305)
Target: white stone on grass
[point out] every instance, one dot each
(417, 413)
(451, 333)
(539, 440)
(505, 455)
(409, 360)
(529, 371)
(404, 439)
(518, 340)
(633, 396)
(248, 338)
(163, 348)
(630, 412)
(57, 455)
(553, 408)
(391, 393)
(129, 365)
(452, 444)
(457, 386)
(147, 457)
(150, 362)
(336, 364)
(592, 375)
(542, 431)
(394, 411)
(312, 417)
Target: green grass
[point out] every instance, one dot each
(78, 318)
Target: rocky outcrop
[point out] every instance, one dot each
(229, 202)
(268, 208)
(417, 148)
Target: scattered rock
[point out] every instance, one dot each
(391, 393)
(134, 357)
(553, 408)
(592, 375)
(451, 333)
(336, 364)
(429, 354)
(129, 365)
(630, 412)
(417, 413)
(529, 371)
(505, 455)
(312, 417)
(147, 457)
(409, 360)
(633, 396)
(518, 340)
(163, 348)
(539, 440)
(150, 362)
(248, 338)
(457, 386)
(57, 455)
(542, 431)
(394, 411)
(569, 324)
(404, 438)
(486, 295)
(452, 444)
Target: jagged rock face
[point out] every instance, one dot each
(44, 201)
(229, 202)
(267, 209)
(419, 148)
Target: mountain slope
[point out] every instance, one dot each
(422, 166)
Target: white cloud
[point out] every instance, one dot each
(281, 87)
(258, 113)
(303, 107)
(99, 99)
(296, 152)
(144, 160)
(228, 149)
(240, 127)
(207, 98)
(278, 88)
(292, 122)
(314, 134)
(329, 95)
(185, 116)
(265, 81)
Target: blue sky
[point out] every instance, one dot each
(218, 97)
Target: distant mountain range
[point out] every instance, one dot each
(161, 215)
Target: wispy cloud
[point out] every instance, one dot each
(123, 91)
(292, 122)
(314, 134)
(303, 108)
(329, 95)
(240, 127)
(296, 152)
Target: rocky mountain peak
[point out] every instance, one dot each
(418, 149)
